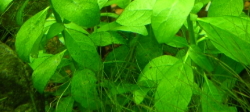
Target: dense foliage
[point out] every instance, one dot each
(139, 55)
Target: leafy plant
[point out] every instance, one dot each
(157, 55)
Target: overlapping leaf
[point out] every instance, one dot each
(29, 35)
(82, 12)
(167, 19)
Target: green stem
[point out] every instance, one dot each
(191, 31)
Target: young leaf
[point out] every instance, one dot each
(136, 29)
(30, 34)
(65, 104)
(107, 38)
(174, 92)
(152, 74)
(232, 41)
(82, 12)
(54, 29)
(83, 89)
(137, 13)
(45, 70)
(225, 7)
(212, 97)
(199, 58)
(167, 19)
(82, 50)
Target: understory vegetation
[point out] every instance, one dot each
(125, 56)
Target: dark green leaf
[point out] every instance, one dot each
(65, 104)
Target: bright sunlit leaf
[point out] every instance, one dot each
(152, 74)
(137, 13)
(107, 38)
(82, 12)
(45, 70)
(225, 7)
(174, 92)
(29, 35)
(168, 17)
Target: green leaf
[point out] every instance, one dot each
(4, 4)
(199, 58)
(167, 19)
(29, 35)
(54, 29)
(231, 39)
(83, 89)
(225, 7)
(45, 70)
(147, 48)
(137, 13)
(65, 104)
(152, 74)
(75, 27)
(107, 38)
(102, 3)
(174, 92)
(178, 42)
(82, 12)
(82, 50)
(136, 29)
(212, 99)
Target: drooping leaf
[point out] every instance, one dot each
(199, 58)
(225, 7)
(137, 13)
(45, 70)
(82, 12)
(75, 27)
(65, 104)
(152, 74)
(29, 35)
(82, 50)
(83, 89)
(231, 40)
(178, 42)
(167, 19)
(54, 29)
(174, 92)
(107, 38)
(212, 99)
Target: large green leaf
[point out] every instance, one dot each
(82, 50)
(83, 12)
(225, 7)
(45, 70)
(212, 99)
(65, 104)
(152, 74)
(199, 58)
(174, 92)
(29, 35)
(231, 39)
(83, 89)
(137, 13)
(167, 19)
(107, 38)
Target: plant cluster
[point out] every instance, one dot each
(153, 55)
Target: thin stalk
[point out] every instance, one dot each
(191, 31)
